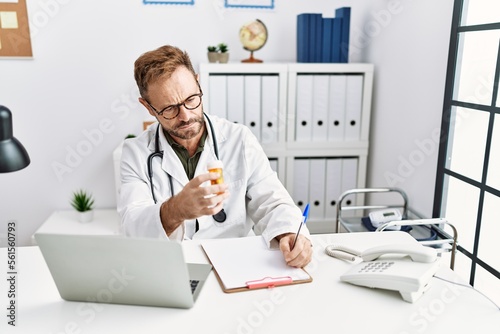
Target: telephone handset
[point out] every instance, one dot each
(406, 268)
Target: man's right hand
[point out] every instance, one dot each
(193, 201)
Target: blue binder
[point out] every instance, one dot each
(345, 14)
(303, 44)
(337, 36)
(327, 44)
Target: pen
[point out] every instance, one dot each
(304, 219)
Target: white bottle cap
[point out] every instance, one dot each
(215, 164)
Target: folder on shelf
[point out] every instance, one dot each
(336, 107)
(316, 37)
(253, 103)
(333, 185)
(350, 180)
(301, 182)
(336, 39)
(317, 185)
(303, 128)
(243, 264)
(320, 108)
(235, 99)
(270, 109)
(354, 104)
(303, 43)
(327, 47)
(345, 14)
(217, 95)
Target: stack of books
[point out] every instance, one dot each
(323, 40)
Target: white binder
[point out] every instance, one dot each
(303, 128)
(217, 95)
(354, 103)
(336, 107)
(320, 107)
(270, 108)
(253, 103)
(301, 182)
(236, 99)
(333, 186)
(349, 181)
(317, 178)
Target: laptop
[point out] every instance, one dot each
(122, 270)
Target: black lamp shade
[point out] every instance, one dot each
(13, 155)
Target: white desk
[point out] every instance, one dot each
(324, 306)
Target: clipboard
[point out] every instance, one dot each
(244, 264)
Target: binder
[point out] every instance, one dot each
(217, 95)
(333, 185)
(270, 108)
(303, 38)
(235, 99)
(336, 107)
(320, 108)
(253, 103)
(354, 103)
(349, 181)
(301, 182)
(337, 37)
(304, 91)
(316, 36)
(317, 185)
(243, 264)
(327, 43)
(345, 14)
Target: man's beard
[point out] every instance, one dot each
(187, 134)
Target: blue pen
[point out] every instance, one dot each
(304, 219)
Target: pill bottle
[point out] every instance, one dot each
(216, 167)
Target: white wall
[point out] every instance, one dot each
(76, 99)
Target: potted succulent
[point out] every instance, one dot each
(223, 53)
(83, 203)
(212, 54)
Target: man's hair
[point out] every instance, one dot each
(158, 63)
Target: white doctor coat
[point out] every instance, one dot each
(257, 198)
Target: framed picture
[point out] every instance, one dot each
(262, 4)
(168, 2)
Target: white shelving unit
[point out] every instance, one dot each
(296, 125)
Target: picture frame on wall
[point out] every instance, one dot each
(168, 2)
(258, 4)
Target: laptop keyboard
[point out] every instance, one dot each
(194, 284)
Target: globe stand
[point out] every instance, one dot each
(251, 59)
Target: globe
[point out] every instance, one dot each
(253, 36)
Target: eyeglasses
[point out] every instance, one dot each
(172, 111)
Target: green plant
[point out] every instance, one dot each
(222, 47)
(82, 201)
(212, 49)
(130, 135)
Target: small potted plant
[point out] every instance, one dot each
(223, 53)
(212, 54)
(83, 202)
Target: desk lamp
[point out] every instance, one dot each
(13, 155)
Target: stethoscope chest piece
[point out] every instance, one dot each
(220, 216)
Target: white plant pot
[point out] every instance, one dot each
(86, 216)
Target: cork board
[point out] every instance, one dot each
(15, 40)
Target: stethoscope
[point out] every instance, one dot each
(219, 217)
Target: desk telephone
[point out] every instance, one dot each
(406, 268)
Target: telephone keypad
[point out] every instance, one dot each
(378, 266)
